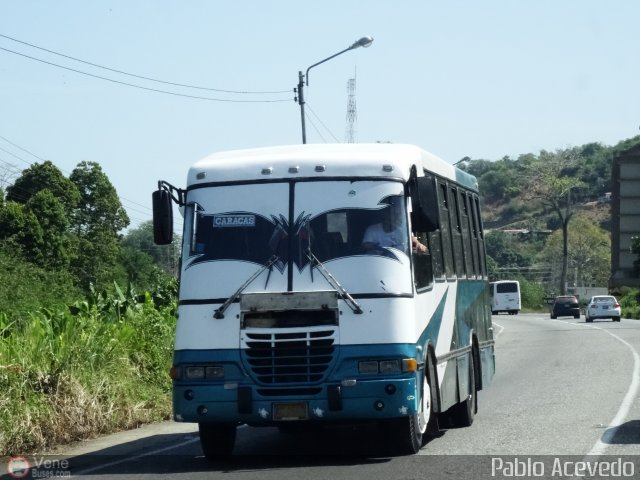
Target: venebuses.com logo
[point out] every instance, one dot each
(18, 467)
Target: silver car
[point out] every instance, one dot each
(603, 306)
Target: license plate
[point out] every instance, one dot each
(290, 411)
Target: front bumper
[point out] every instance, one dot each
(361, 400)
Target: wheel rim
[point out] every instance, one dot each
(424, 409)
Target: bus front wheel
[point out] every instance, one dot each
(408, 434)
(217, 440)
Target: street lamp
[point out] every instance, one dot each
(363, 42)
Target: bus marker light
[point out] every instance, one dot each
(390, 389)
(378, 405)
(189, 395)
(350, 382)
(409, 365)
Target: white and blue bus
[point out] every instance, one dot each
(293, 314)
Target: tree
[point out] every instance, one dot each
(165, 256)
(503, 250)
(96, 223)
(99, 208)
(50, 214)
(20, 228)
(499, 180)
(550, 183)
(589, 251)
(41, 176)
(635, 248)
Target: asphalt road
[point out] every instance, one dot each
(564, 392)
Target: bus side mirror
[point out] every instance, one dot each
(162, 217)
(426, 214)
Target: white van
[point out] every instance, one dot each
(505, 297)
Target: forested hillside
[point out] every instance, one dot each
(528, 202)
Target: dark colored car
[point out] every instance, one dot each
(565, 306)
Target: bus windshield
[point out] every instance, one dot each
(339, 231)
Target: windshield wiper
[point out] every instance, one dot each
(355, 306)
(219, 313)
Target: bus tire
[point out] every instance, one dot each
(463, 413)
(428, 409)
(408, 434)
(217, 440)
(404, 435)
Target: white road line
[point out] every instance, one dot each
(501, 329)
(601, 445)
(130, 459)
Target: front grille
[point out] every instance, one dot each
(294, 357)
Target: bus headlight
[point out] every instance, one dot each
(194, 372)
(390, 366)
(200, 372)
(214, 371)
(368, 367)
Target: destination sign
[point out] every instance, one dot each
(224, 221)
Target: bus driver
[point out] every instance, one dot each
(391, 232)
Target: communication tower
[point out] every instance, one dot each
(350, 133)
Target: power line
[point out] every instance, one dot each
(157, 90)
(315, 128)
(321, 123)
(24, 198)
(23, 149)
(15, 156)
(141, 76)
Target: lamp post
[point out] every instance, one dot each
(302, 79)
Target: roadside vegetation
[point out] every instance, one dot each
(86, 313)
(96, 366)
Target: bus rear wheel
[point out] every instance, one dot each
(217, 440)
(463, 413)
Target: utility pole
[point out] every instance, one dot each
(304, 79)
(300, 100)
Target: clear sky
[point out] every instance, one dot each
(459, 78)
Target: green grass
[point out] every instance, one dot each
(66, 376)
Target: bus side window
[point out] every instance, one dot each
(480, 235)
(445, 231)
(422, 263)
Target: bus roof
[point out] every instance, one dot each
(325, 160)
